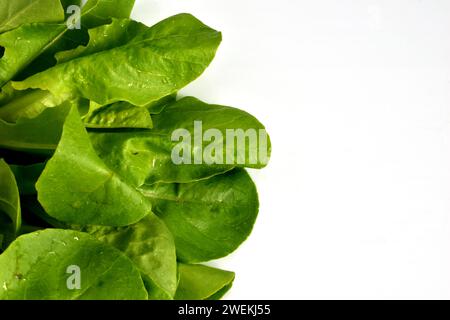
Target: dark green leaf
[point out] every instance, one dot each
(27, 176)
(67, 3)
(210, 218)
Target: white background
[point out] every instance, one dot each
(356, 97)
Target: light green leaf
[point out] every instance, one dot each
(37, 267)
(210, 218)
(118, 115)
(150, 245)
(198, 282)
(77, 187)
(9, 196)
(227, 122)
(14, 13)
(27, 104)
(146, 156)
(158, 62)
(124, 115)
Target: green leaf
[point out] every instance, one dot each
(25, 44)
(118, 115)
(14, 13)
(158, 106)
(121, 115)
(38, 135)
(156, 63)
(124, 115)
(223, 121)
(98, 12)
(9, 196)
(30, 47)
(150, 245)
(107, 37)
(198, 282)
(44, 57)
(210, 218)
(146, 156)
(77, 187)
(37, 267)
(39, 42)
(27, 105)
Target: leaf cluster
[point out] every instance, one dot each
(87, 177)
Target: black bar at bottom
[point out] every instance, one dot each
(245, 309)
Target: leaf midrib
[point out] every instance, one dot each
(147, 41)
